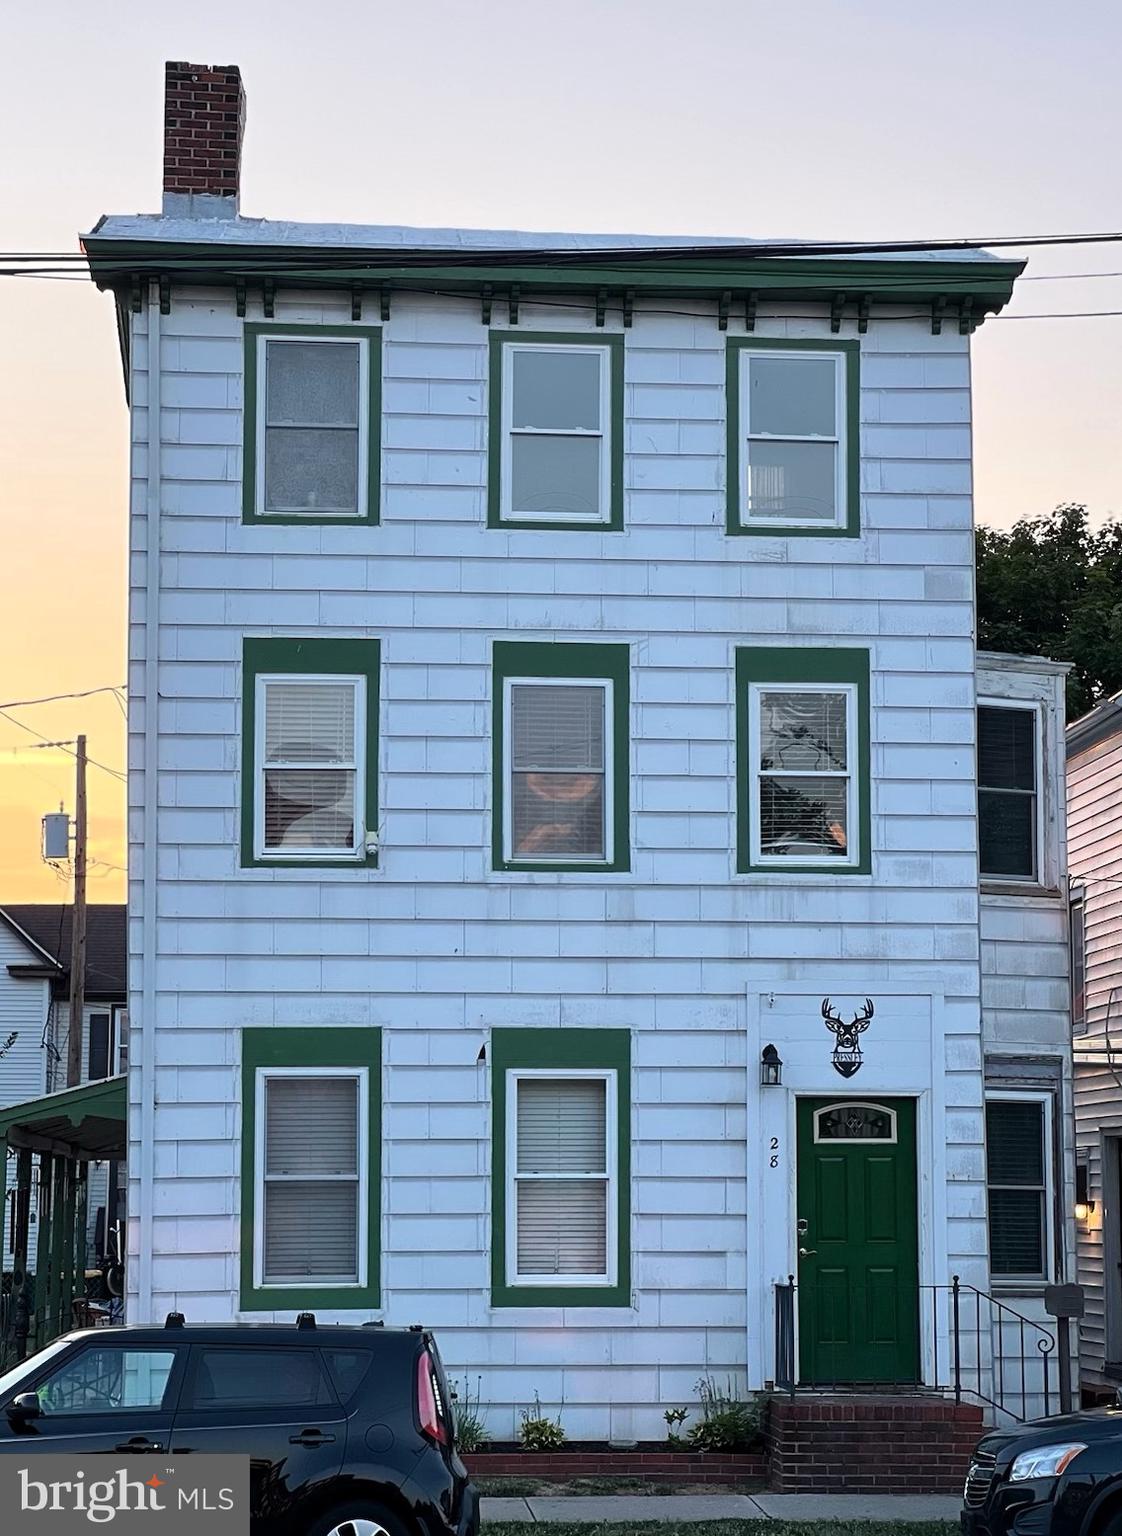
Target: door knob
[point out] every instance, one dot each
(805, 1253)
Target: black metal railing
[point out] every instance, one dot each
(968, 1343)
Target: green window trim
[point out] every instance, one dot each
(850, 351)
(560, 1050)
(367, 515)
(614, 344)
(343, 657)
(562, 659)
(809, 665)
(263, 1049)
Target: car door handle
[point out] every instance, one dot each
(139, 1443)
(311, 1438)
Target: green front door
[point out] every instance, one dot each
(858, 1275)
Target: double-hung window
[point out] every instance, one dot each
(1009, 791)
(309, 751)
(312, 425)
(793, 436)
(561, 791)
(1018, 1163)
(310, 1111)
(803, 759)
(555, 431)
(561, 1209)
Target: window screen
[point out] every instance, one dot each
(311, 426)
(312, 1179)
(309, 765)
(1007, 792)
(561, 1177)
(803, 773)
(1017, 1164)
(557, 766)
(556, 426)
(793, 437)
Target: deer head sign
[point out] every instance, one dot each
(847, 1047)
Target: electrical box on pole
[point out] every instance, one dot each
(56, 835)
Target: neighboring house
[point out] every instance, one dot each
(1094, 796)
(553, 702)
(35, 1018)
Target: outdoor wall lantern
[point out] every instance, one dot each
(771, 1067)
(1084, 1205)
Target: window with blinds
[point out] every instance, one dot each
(793, 409)
(556, 451)
(1008, 793)
(311, 1197)
(311, 415)
(803, 778)
(310, 772)
(558, 772)
(1018, 1177)
(562, 1173)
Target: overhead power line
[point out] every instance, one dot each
(64, 746)
(53, 698)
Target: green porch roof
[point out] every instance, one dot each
(87, 1123)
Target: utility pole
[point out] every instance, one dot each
(78, 927)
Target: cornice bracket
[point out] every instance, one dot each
(239, 297)
(628, 307)
(601, 305)
(136, 293)
(384, 302)
(486, 298)
(515, 295)
(165, 294)
(356, 301)
(750, 303)
(966, 315)
(723, 309)
(938, 310)
(836, 309)
(863, 313)
(268, 298)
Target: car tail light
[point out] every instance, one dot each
(430, 1403)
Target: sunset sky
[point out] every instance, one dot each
(860, 120)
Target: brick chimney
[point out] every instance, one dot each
(204, 121)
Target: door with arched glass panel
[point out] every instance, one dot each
(858, 1243)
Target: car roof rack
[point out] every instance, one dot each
(305, 1320)
(374, 1323)
(174, 1320)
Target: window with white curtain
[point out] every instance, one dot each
(556, 449)
(793, 437)
(311, 1157)
(557, 769)
(803, 786)
(561, 1177)
(310, 788)
(312, 425)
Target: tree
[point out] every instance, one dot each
(1052, 586)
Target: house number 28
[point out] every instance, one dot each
(773, 1160)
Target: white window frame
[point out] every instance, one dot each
(358, 766)
(840, 438)
(509, 431)
(264, 341)
(610, 1078)
(1029, 1096)
(1077, 897)
(263, 1076)
(1036, 709)
(852, 857)
(509, 685)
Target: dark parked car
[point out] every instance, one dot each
(350, 1431)
(1054, 1477)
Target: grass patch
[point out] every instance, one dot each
(512, 1487)
(737, 1528)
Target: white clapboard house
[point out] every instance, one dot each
(553, 699)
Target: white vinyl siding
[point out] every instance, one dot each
(561, 1165)
(1009, 778)
(556, 433)
(1020, 1185)
(312, 414)
(793, 436)
(557, 801)
(310, 1157)
(803, 785)
(310, 778)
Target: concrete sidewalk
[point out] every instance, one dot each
(642, 1508)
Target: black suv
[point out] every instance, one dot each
(349, 1431)
(1054, 1477)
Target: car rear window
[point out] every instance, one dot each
(348, 1369)
(260, 1377)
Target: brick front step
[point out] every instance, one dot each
(870, 1445)
(649, 1462)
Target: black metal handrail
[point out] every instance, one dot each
(979, 1361)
